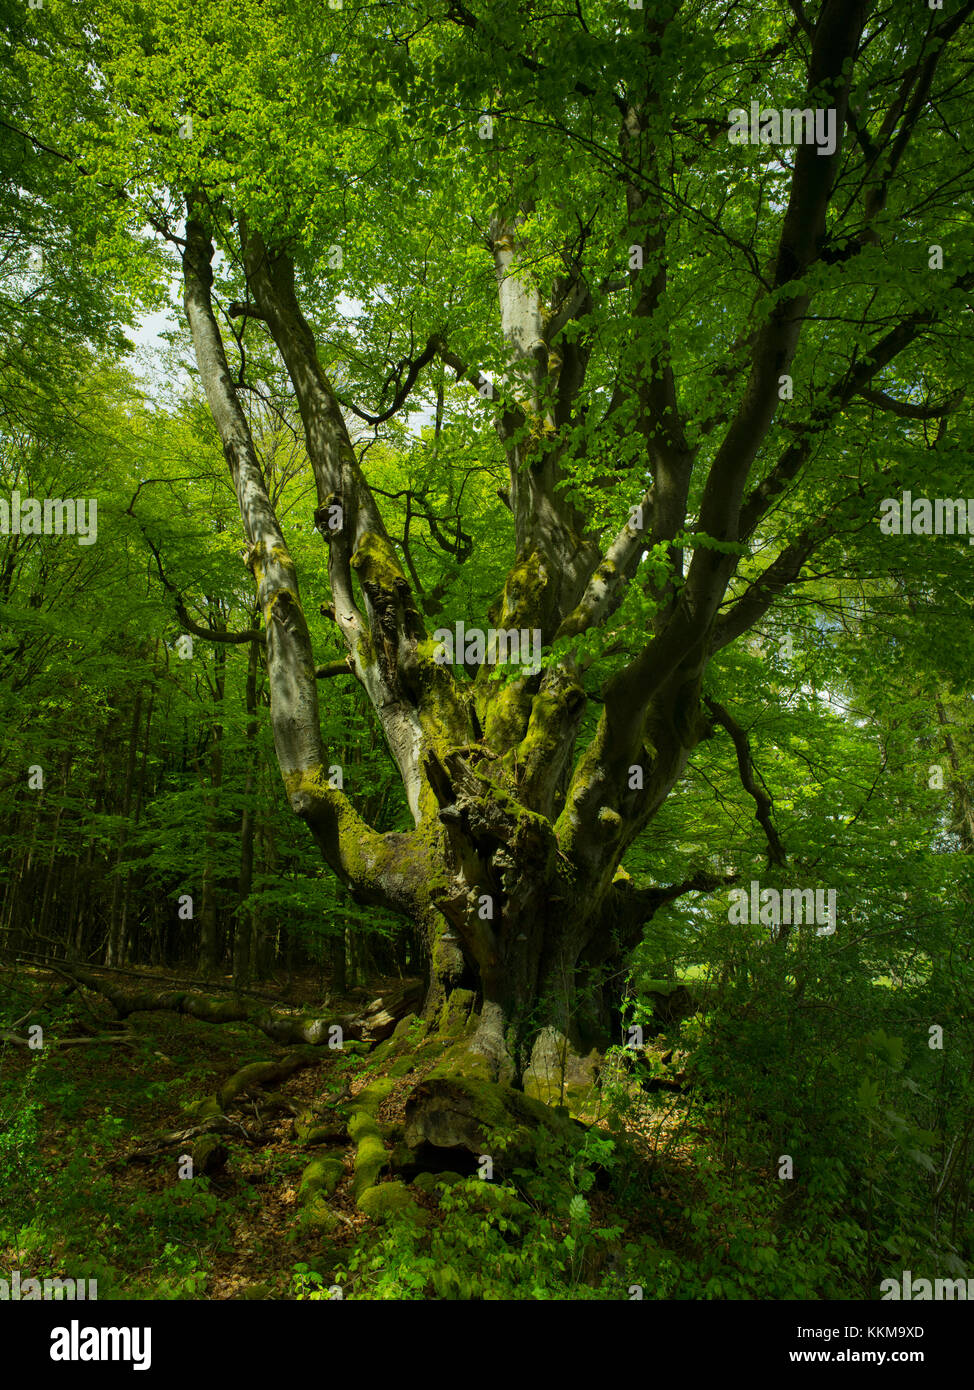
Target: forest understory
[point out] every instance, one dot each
(168, 1157)
(252, 1223)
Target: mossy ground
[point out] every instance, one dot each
(277, 1205)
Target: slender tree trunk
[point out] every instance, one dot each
(209, 957)
(243, 926)
(43, 917)
(115, 953)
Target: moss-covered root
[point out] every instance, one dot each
(309, 1130)
(464, 1113)
(280, 1025)
(364, 1130)
(254, 1074)
(322, 1175)
(209, 1113)
(209, 1156)
(392, 1198)
(318, 1182)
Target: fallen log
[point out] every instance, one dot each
(375, 1023)
(69, 1042)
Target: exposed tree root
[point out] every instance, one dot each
(255, 1074)
(454, 1114)
(370, 1151)
(309, 1130)
(219, 1124)
(463, 1116)
(457, 1109)
(209, 1114)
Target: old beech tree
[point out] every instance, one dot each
(693, 353)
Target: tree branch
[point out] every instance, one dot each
(777, 855)
(208, 634)
(431, 350)
(907, 410)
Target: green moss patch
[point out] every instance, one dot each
(388, 1199)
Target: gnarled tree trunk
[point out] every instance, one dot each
(512, 865)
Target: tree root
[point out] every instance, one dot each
(247, 1078)
(167, 1139)
(309, 1129)
(370, 1150)
(209, 1116)
(463, 1116)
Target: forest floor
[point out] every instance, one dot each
(73, 1120)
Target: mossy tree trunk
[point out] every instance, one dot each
(511, 869)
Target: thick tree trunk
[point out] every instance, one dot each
(511, 869)
(552, 978)
(518, 950)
